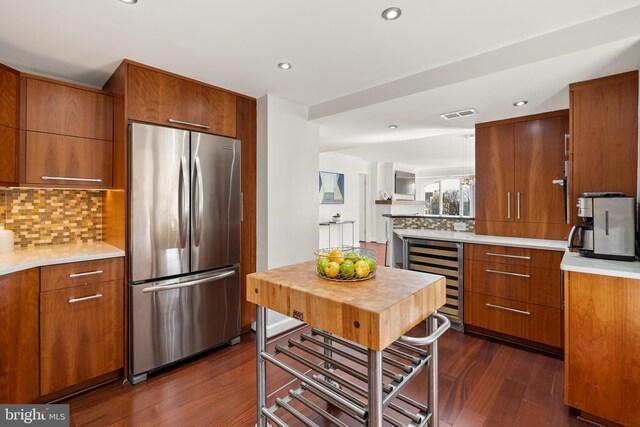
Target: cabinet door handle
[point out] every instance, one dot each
(518, 205)
(180, 122)
(508, 205)
(74, 300)
(566, 139)
(88, 273)
(507, 256)
(507, 273)
(64, 178)
(508, 309)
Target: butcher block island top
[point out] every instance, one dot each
(373, 313)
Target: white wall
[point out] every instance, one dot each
(351, 167)
(287, 170)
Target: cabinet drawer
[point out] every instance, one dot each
(517, 282)
(74, 274)
(514, 256)
(81, 335)
(528, 321)
(70, 161)
(64, 110)
(160, 98)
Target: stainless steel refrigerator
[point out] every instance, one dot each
(185, 213)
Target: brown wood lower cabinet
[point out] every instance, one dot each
(80, 334)
(19, 336)
(602, 348)
(531, 322)
(514, 294)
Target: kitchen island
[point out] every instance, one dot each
(356, 341)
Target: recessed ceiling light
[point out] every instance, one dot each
(129, 1)
(520, 103)
(284, 66)
(391, 13)
(393, 126)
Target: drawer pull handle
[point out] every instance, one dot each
(508, 309)
(508, 256)
(506, 273)
(64, 178)
(88, 273)
(180, 122)
(74, 300)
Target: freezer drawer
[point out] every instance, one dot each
(174, 319)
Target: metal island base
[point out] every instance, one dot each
(355, 358)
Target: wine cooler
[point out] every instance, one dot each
(445, 259)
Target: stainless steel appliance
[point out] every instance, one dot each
(446, 259)
(609, 229)
(185, 217)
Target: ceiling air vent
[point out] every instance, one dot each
(458, 114)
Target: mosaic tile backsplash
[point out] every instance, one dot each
(433, 223)
(40, 217)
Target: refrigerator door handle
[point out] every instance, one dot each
(189, 284)
(200, 201)
(183, 208)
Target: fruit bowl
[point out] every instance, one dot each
(346, 264)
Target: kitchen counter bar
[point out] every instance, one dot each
(604, 267)
(39, 256)
(467, 237)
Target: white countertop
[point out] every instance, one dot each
(25, 258)
(467, 237)
(604, 267)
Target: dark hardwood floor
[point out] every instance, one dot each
(482, 383)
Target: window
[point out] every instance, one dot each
(449, 197)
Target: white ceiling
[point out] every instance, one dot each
(355, 71)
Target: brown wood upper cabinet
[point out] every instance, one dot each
(19, 337)
(64, 110)
(517, 161)
(9, 124)
(9, 97)
(68, 137)
(604, 136)
(157, 97)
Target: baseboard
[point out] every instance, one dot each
(279, 327)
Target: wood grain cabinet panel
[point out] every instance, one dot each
(536, 258)
(64, 110)
(519, 319)
(604, 136)
(602, 349)
(540, 157)
(62, 276)
(521, 283)
(69, 157)
(494, 169)
(9, 143)
(9, 97)
(160, 98)
(516, 162)
(19, 373)
(80, 339)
